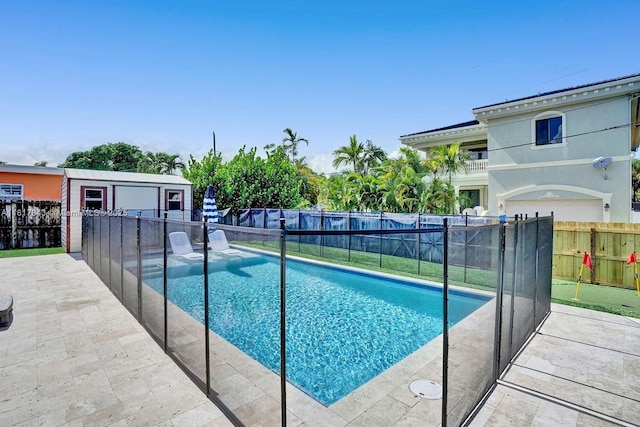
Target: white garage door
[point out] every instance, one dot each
(133, 198)
(563, 210)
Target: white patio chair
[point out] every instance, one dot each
(181, 247)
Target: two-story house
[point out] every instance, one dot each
(567, 151)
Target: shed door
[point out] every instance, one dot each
(563, 210)
(132, 199)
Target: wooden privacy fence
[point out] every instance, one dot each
(29, 224)
(608, 244)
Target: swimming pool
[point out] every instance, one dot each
(343, 327)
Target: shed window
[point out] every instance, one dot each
(93, 198)
(174, 200)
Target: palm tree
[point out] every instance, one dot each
(151, 163)
(160, 163)
(450, 159)
(372, 156)
(351, 154)
(291, 141)
(171, 163)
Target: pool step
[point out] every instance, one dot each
(151, 271)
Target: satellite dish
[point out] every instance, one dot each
(601, 162)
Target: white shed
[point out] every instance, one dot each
(119, 192)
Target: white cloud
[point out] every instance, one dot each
(321, 163)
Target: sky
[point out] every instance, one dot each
(165, 75)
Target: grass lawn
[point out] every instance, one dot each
(597, 297)
(10, 253)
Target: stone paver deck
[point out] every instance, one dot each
(75, 356)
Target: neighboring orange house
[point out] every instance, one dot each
(18, 182)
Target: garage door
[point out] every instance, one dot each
(563, 210)
(133, 198)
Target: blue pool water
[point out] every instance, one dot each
(343, 328)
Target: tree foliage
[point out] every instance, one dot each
(160, 163)
(635, 179)
(110, 157)
(123, 157)
(201, 174)
(349, 155)
(247, 181)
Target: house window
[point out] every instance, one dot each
(174, 200)
(94, 198)
(478, 154)
(549, 131)
(11, 191)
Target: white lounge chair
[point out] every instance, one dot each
(181, 247)
(218, 244)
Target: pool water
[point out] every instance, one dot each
(343, 328)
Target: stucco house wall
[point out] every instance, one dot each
(562, 177)
(38, 183)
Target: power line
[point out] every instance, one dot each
(626, 125)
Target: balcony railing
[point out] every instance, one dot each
(476, 166)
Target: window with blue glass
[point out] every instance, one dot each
(549, 131)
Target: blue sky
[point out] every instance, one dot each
(163, 75)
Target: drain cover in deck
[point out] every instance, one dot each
(426, 389)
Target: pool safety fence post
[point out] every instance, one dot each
(466, 246)
(418, 241)
(109, 250)
(516, 226)
(499, 300)
(283, 318)
(321, 229)
(165, 271)
(93, 248)
(445, 320)
(121, 259)
(205, 269)
(349, 245)
(593, 254)
(299, 228)
(265, 224)
(380, 247)
(535, 271)
(139, 267)
(98, 265)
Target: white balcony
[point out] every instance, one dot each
(476, 166)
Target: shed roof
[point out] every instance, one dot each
(98, 175)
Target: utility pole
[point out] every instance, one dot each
(214, 143)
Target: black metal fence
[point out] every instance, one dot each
(29, 224)
(175, 292)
